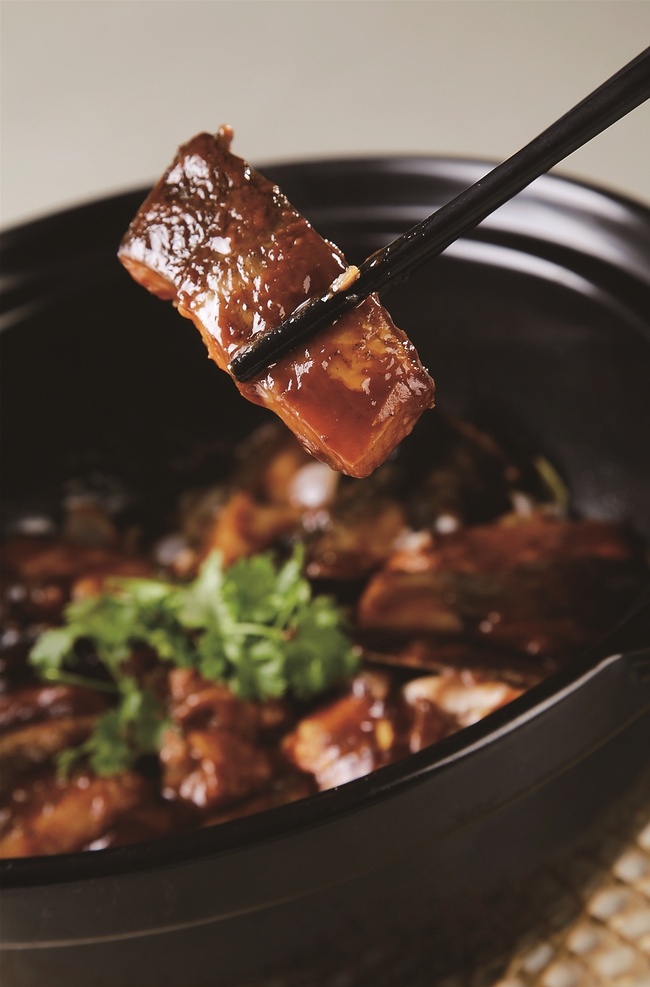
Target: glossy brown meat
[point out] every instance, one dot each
(378, 722)
(212, 768)
(244, 526)
(356, 537)
(445, 656)
(34, 703)
(539, 586)
(218, 751)
(351, 736)
(225, 245)
(463, 698)
(54, 815)
(37, 743)
(39, 576)
(43, 560)
(288, 788)
(196, 703)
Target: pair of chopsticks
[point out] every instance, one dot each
(616, 97)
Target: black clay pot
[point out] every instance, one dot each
(538, 327)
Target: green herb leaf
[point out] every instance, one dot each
(253, 626)
(52, 648)
(121, 735)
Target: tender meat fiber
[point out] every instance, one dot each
(212, 768)
(377, 722)
(245, 526)
(54, 815)
(37, 743)
(464, 698)
(33, 703)
(219, 751)
(235, 257)
(539, 586)
(351, 736)
(199, 704)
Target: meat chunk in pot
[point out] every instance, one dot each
(352, 735)
(462, 699)
(37, 743)
(218, 751)
(39, 577)
(378, 721)
(211, 768)
(34, 703)
(39, 721)
(54, 815)
(538, 586)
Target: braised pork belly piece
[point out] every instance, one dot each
(224, 244)
(416, 652)
(64, 815)
(39, 721)
(35, 703)
(40, 575)
(379, 721)
(458, 579)
(351, 736)
(535, 585)
(463, 698)
(24, 748)
(220, 749)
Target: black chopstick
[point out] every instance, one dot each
(620, 94)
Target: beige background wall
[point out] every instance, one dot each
(96, 94)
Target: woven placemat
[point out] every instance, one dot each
(608, 944)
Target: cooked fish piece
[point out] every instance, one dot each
(225, 245)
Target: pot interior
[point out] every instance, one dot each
(535, 327)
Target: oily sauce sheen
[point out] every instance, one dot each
(227, 247)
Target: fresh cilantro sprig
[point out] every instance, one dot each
(262, 631)
(121, 735)
(254, 626)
